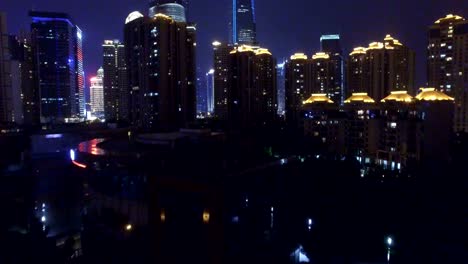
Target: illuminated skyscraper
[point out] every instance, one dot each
(116, 92)
(296, 89)
(5, 72)
(280, 84)
(446, 63)
(331, 45)
(97, 94)
(221, 78)
(324, 76)
(59, 52)
(173, 8)
(243, 28)
(160, 57)
(210, 90)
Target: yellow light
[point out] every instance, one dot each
(160, 15)
(375, 45)
(162, 216)
(128, 227)
(316, 98)
(243, 48)
(358, 50)
(320, 55)
(449, 17)
(216, 43)
(360, 97)
(431, 94)
(299, 56)
(206, 216)
(398, 96)
(261, 51)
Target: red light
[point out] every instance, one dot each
(81, 165)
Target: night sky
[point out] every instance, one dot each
(285, 27)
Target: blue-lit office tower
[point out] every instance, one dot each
(243, 29)
(210, 90)
(173, 8)
(331, 44)
(59, 54)
(281, 86)
(202, 103)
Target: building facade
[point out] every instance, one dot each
(210, 90)
(388, 66)
(58, 46)
(446, 63)
(323, 76)
(97, 94)
(243, 28)
(296, 88)
(176, 9)
(281, 87)
(6, 111)
(116, 90)
(160, 56)
(221, 78)
(252, 91)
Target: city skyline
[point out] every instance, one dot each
(356, 26)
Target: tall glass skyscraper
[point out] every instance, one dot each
(173, 8)
(59, 53)
(243, 29)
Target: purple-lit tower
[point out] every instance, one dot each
(59, 53)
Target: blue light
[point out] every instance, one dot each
(234, 21)
(50, 19)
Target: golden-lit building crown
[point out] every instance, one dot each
(399, 96)
(299, 56)
(242, 48)
(160, 15)
(359, 97)
(358, 50)
(320, 55)
(262, 51)
(431, 94)
(449, 17)
(318, 98)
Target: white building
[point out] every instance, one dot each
(97, 94)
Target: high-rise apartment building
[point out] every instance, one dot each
(296, 89)
(58, 46)
(323, 79)
(116, 91)
(243, 28)
(447, 59)
(221, 78)
(160, 57)
(97, 94)
(388, 66)
(252, 88)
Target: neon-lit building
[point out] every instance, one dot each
(210, 90)
(97, 94)
(243, 28)
(58, 43)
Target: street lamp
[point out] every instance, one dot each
(389, 247)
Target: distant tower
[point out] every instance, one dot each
(173, 8)
(280, 84)
(116, 92)
(97, 94)
(243, 28)
(331, 44)
(210, 90)
(446, 63)
(61, 68)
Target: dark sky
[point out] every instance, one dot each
(284, 26)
